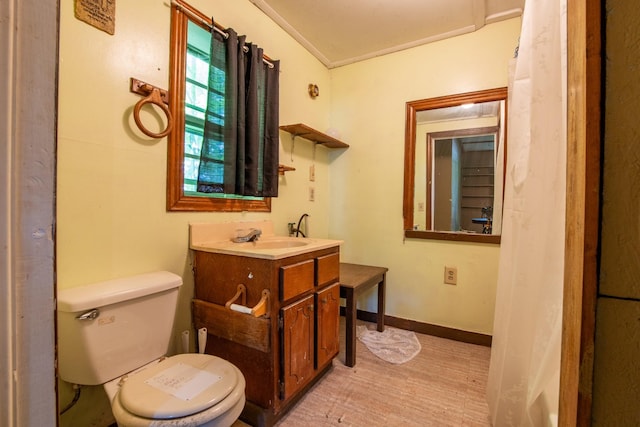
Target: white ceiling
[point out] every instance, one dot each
(340, 32)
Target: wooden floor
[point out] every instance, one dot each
(444, 385)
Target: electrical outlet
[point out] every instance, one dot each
(312, 194)
(450, 275)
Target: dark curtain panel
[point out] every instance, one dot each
(240, 147)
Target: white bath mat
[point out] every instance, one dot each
(393, 345)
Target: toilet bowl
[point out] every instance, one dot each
(117, 333)
(182, 390)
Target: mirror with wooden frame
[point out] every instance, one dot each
(455, 151)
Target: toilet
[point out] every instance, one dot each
(117, 333)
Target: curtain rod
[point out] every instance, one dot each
(224, 34)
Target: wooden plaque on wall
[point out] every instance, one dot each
(98, 13)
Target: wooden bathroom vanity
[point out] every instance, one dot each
(287, 349)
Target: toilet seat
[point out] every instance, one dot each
(139, 402)
(178, 386)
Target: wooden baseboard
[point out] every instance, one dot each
(426, 328)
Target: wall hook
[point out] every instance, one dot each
(314, 90)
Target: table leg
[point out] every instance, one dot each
(350, 329)
(381, 290)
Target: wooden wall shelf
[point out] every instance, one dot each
(311, 134)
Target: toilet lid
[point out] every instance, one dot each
(178, 386)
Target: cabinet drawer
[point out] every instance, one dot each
(327, 269)
(296, 279)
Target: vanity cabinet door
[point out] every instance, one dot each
(297, 345)
(328, 327)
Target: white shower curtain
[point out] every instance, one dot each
(523, 383)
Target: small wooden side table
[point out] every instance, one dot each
(354, 280)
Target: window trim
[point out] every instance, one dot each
(177, 200)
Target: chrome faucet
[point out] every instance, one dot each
(252, 236)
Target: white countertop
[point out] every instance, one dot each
(271, 247)
(216, 238)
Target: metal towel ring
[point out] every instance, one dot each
(155, 98)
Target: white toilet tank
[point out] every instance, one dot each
(107, 329)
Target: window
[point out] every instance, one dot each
(189, 67)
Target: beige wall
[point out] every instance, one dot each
(111, 179)
(111, 217)
(368, 107)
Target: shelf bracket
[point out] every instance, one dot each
(293, 144)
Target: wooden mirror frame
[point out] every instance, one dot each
(412, 108)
